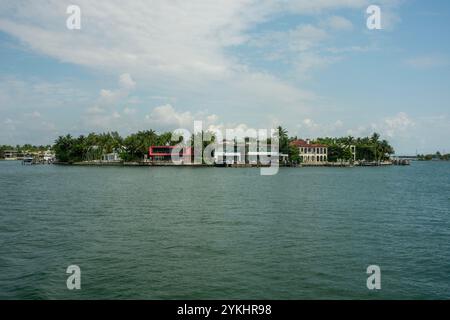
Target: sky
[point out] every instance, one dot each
(311, 66)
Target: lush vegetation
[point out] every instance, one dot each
(367, 148)
(24, 149)
(87, 148)
(436, 156)
(135, 146)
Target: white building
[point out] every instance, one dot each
(49, 156)
(312, 153)
(10, 155)
(111, 157)
(230, 152)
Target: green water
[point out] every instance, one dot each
(216, 233)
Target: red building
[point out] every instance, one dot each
(164, 153)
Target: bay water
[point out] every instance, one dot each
(224, 233)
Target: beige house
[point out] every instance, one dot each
(10, 155)
(313, 153)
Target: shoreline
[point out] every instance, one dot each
(170, 164)
(239, 165)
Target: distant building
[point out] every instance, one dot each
(311, 152)
(225, 153)
(111, 157)
(164, 153)
(229, 152)
(10, 155)
(352, 149)
(49, 156)
(253, 153)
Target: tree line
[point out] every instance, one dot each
(93, 146)
(436, 156)
(367, 148)
(135, 146)
(23, 149)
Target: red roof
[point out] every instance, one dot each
(303, 144)
(167, 150)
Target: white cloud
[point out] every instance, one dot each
(298, 39)
(350, 49)
(309, 128)
(28, 94)
(112, 98)
(164, 35)
(319, 6)
(129, 111)
(104, 114)
(239, 131)
(116, 115)
(310, 60)
(309, 123)
(400, 123)
(38, 129)
(396, 126)
(127, 82)
(304, 46)
(32, 106)
(338, 124)
(360, 131)
(339, 23)
(161, 37)
(166, 117)
(95, 110)
(182, 45)
(179, 50)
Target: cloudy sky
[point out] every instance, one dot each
(311, 66)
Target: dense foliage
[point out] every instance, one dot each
(135, 146)
(436, 156)
(93, 146)
(367, 148)
(26, 148)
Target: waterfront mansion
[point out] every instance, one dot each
(313, 153)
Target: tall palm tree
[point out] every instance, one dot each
(375, 137)
(283, 139)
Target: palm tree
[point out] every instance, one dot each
(283, 139)
(375, 137)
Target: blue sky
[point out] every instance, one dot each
(311, 66)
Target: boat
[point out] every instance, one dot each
(27, 160)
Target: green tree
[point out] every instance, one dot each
(294, 154)
(63, 148)
(283, 140)
(136, 146)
